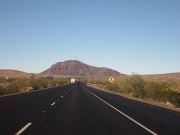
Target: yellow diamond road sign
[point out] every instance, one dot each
(111, 79)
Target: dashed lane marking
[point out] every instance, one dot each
(53, 103)
(23, 129)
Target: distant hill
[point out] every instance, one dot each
(167, 76)
(77, 68)
(71, 68)
(12, 73)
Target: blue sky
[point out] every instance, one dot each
(141, 36)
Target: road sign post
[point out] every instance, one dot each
(111, 80)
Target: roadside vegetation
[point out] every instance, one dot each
(16, 85)
(134, 85)
(162, 91)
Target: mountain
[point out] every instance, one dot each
(77, 68)
(12, 73)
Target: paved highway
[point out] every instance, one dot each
(77, 109)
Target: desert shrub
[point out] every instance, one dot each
(163, 92)
(178, 86)
(173, 97)
(135, 85)
(14, 87)
(99, 83)
(38, 83)
(20, 84)
(62, 81)
(1, 90)
(156, 90)
(11, 88)
(2, 80)
(44, 82)
(115, 87)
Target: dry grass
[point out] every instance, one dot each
(161, 91)
(16, 85)
(165, 105)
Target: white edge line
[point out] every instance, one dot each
(53, 103)
(23, 129)
(150, 131)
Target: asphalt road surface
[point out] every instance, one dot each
(77, 109)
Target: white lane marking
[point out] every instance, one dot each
(23, 129)
(53, 103)
(150, 131)
(43, 111)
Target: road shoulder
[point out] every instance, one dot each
(158, 104)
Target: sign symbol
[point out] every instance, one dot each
(111, 79)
